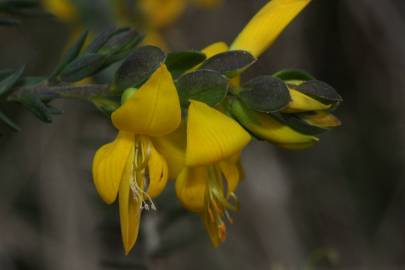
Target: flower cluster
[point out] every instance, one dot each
(170, 127)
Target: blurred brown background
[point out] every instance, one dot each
(338, 205)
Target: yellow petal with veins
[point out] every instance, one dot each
(191, 185)
(211, 135)
(109, 164)
(173, 149)
(158, 173)
(130, 210)
(153, 110)
(267, 25)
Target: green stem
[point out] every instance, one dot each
(46, 92)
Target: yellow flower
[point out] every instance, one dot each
(160, 13)
(131, 166)
(207, 184)
(63, 9)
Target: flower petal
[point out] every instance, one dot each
(109, 164)
(190, 187)
(231, 172)
(153, 110)
(214, 49)
(158, 173)
(303, 103)
(267, 25)
(173, 148)
(130, 211)
(211, 135)
(267, 127)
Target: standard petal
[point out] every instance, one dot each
(109, 164)
(173, 149)
(130, 211)
(267, 25)
(211, 135)
(153, 110)
(191, 185)
(214, 49)
(158, 173)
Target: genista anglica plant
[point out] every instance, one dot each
(184, 116)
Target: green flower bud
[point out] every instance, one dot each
(127, 94)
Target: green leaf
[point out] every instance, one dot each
(230, 63)
(34, 104)
(84, 66)
(4, 118)
(71, 54)
(180, 62)
(123, 40)
(293, 75)
(6, 85)
(298, 124)
(102, 38)
(137, 68)
(119, 46)
(207, 86)
(265, 94)
(320, 91)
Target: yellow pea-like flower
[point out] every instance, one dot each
(131, 167)
(212, 173)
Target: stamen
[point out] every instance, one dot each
(138, 180)
(218, 203)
